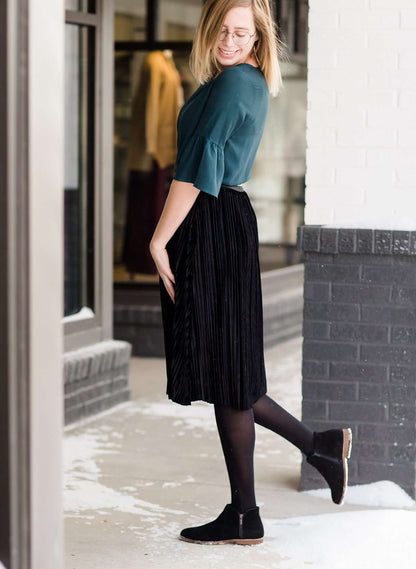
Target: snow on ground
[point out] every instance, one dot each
(82, 489)
(385, 494)
(375, 539)
(378, 534)
(365, 539)
(199, 415)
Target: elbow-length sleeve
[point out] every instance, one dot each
(200, 160)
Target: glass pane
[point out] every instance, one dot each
(302, 28)
(277, 184)
(177, 19)
(79, 168)
(293, 24)
(80, 5)
(141, 180)
(130, 20)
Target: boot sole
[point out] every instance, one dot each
(346, 453)
(224, 541)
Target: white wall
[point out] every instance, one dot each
(46, 183)
(361, 122)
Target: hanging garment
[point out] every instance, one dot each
(152, 152)
(158, 99)
(146, 198)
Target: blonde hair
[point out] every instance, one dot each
(269, 48)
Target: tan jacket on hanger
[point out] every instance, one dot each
(156, 105)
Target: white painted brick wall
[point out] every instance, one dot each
(361, 123)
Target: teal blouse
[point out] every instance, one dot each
(220, 128)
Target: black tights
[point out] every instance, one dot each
(237, 435)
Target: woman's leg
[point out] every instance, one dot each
(240, 521)
(237, 435)
(327, 451)
(271, 415)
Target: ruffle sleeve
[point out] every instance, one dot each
(201, 163)
(200, 158)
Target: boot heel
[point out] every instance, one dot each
(346, 451)
(247, 541)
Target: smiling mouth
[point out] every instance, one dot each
(228, 52)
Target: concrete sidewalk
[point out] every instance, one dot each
(136, 475)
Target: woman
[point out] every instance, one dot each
(205, 248)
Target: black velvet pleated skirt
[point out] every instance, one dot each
(213, 332)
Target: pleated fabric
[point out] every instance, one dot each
(213, 332)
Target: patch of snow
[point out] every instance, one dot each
(82, 314)
(89, 495)
(385, 494)
(171, 484)
(82, 489)
(179, 483)
(370, 539)
(199, 415)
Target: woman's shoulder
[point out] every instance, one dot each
(241, 79)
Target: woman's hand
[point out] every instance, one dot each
(180, 199)
(161, 259)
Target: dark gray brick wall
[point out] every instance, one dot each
(359, 348)
(95, 378)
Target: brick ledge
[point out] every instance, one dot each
(321, 239)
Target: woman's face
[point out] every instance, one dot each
(238, 20)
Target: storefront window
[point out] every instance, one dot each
(177, 19)
(142, 174)
(79, 168)
(277, 183)
(130, 20)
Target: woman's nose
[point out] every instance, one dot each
(228, 40)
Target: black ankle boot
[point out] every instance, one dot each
(230, 527)
(330, 452)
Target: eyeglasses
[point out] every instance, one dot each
(239, 38)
